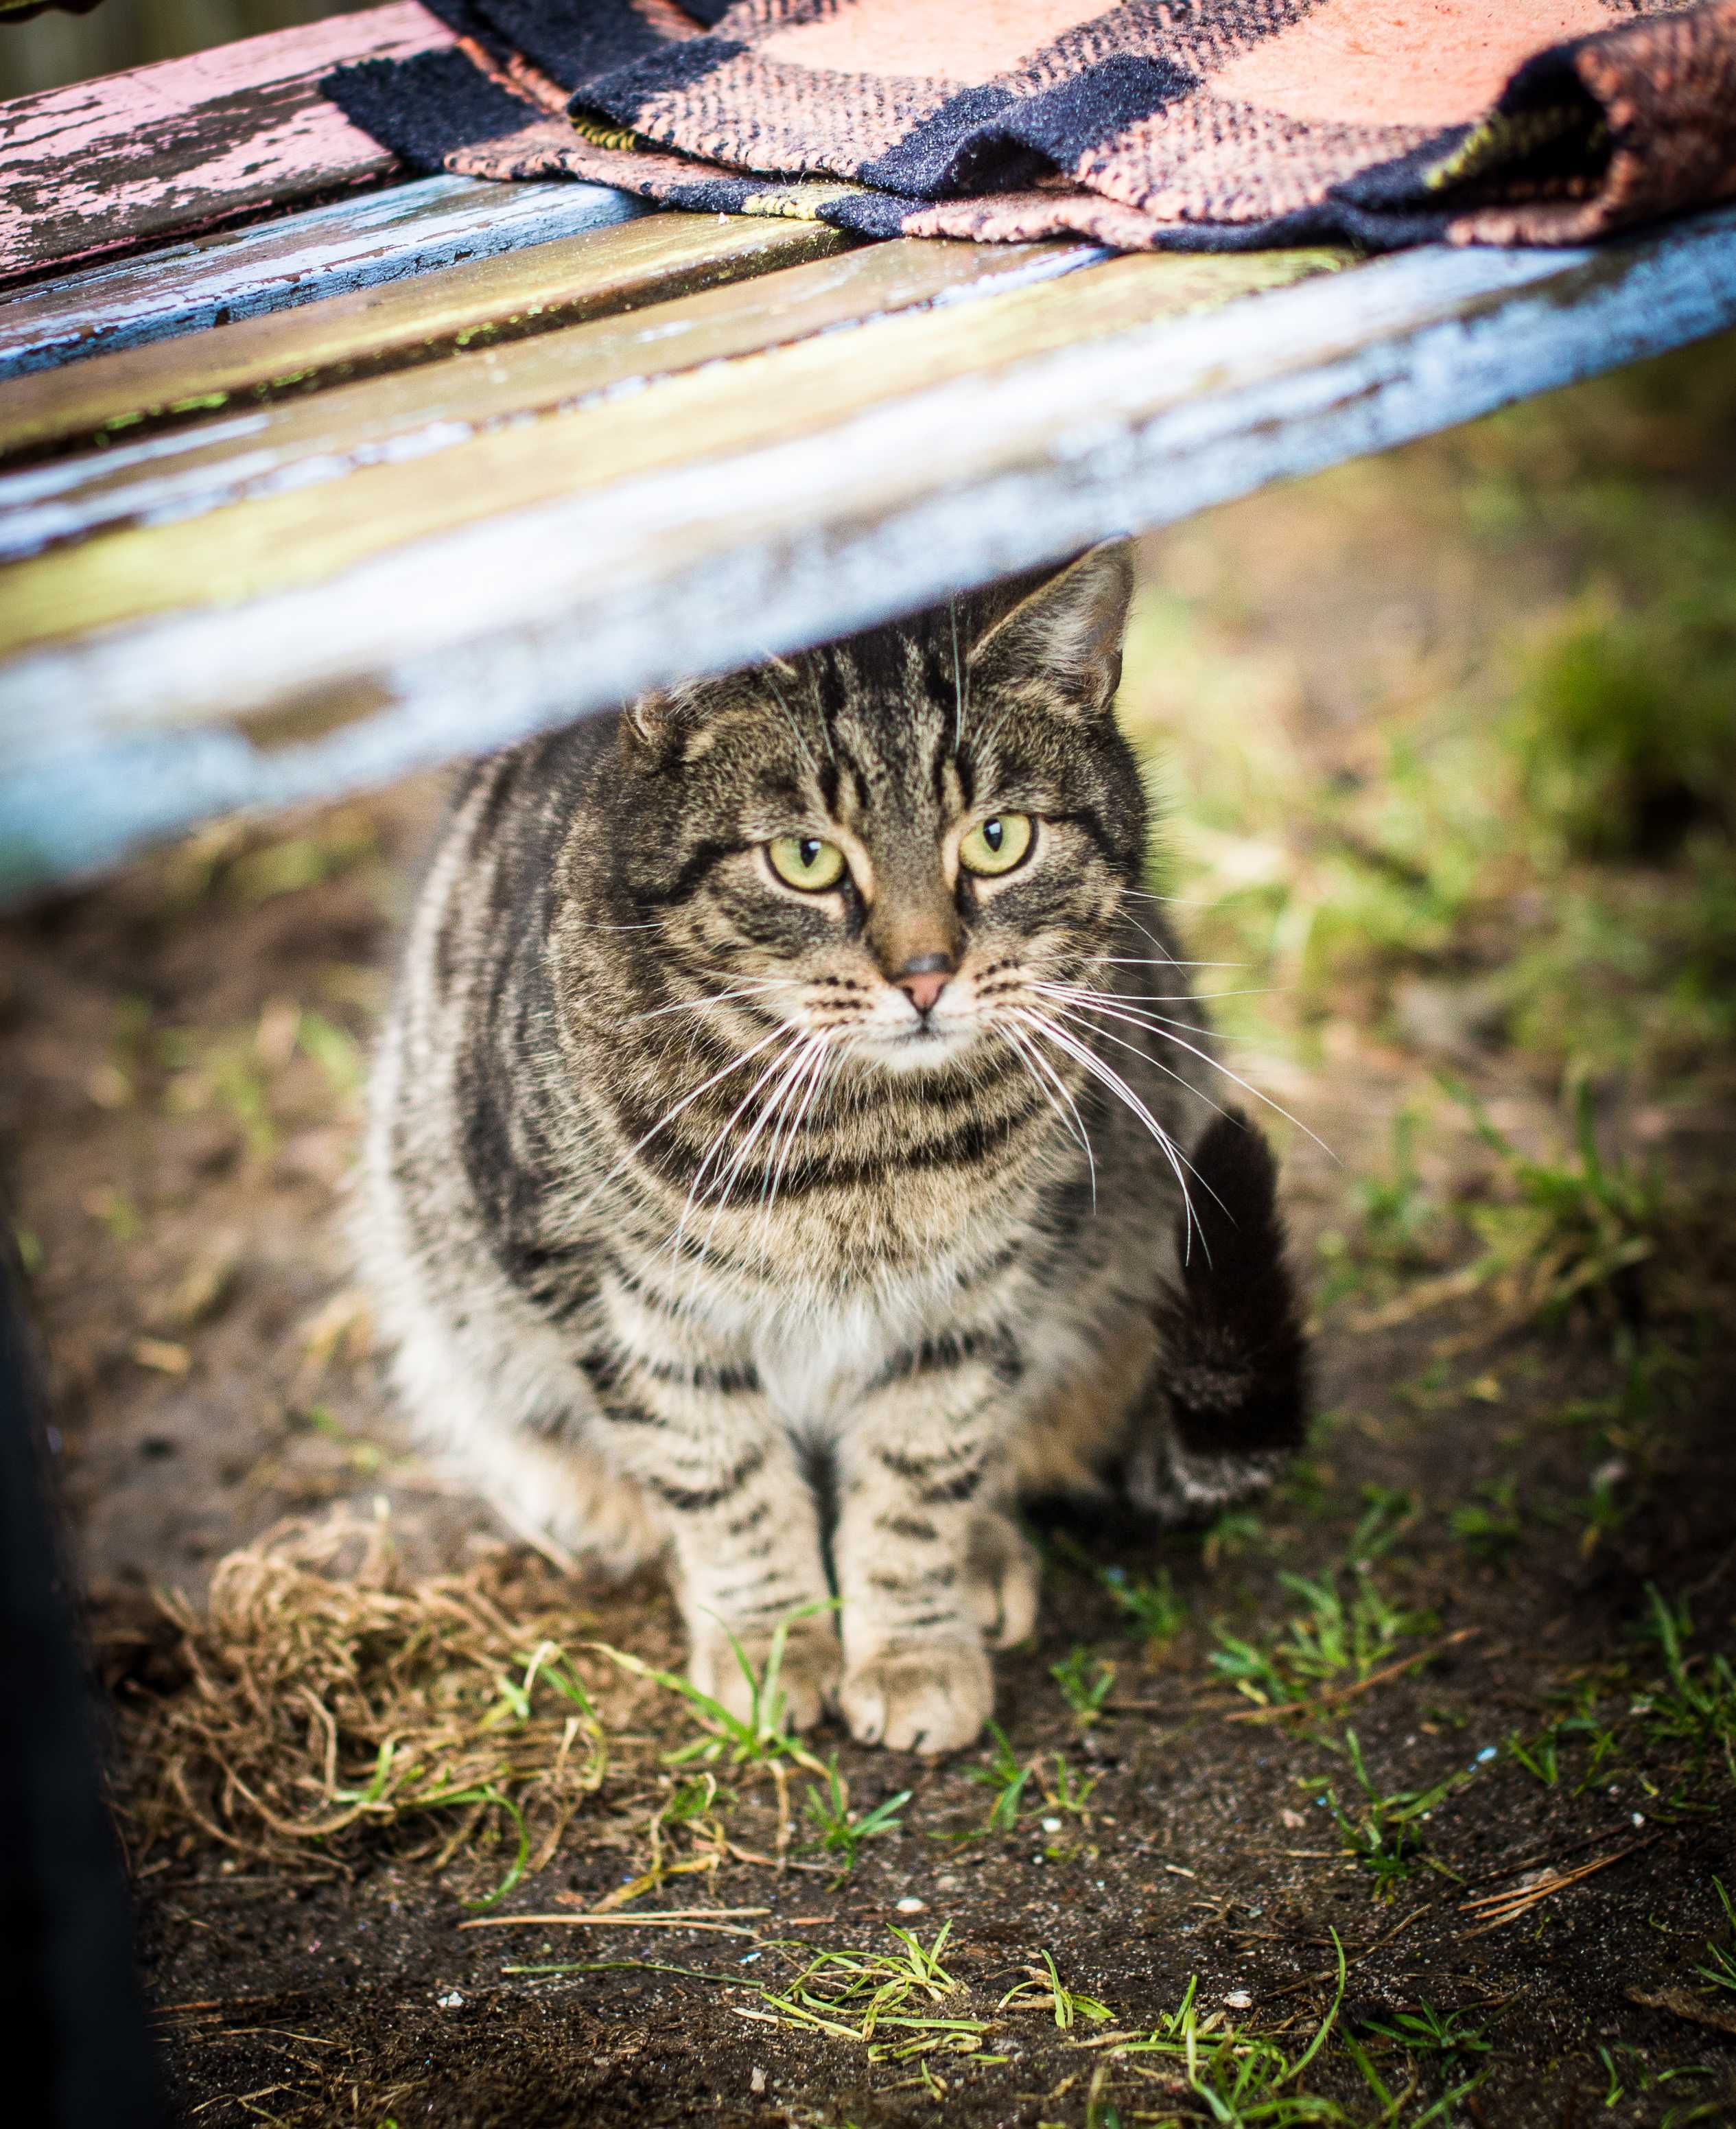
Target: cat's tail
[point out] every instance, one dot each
(1229, 1399)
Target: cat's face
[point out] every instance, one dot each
(889, 847)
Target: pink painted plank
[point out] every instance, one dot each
(132, 158)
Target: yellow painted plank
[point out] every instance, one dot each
(351, 424)
(482, 303)
(313, 532)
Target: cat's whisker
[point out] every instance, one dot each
(686, 1005)
(1168, 998)
(720, 1138)
(791, 1129)
(1163, 954)
(1181, 900)
(791, 1102)
(1033, 1061)
(958, 687)
(1083, 1054)
(791, 1065)
(705, 1004)
(1162, 1026)
(669, 1115)
(1129, 1003)
(1144, 1055)
(1162, 961)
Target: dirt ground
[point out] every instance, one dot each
(1476, 1644)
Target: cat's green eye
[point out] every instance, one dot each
(805, 862)
(995, 844)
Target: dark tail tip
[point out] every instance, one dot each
(1235, 1367)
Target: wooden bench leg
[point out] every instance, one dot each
(73, 2037)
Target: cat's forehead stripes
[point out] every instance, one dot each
(891, 729)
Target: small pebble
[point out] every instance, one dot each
(451, 2000)
(911, 1905)
(1051, 1825)
(1484, 1757)
(756, 2082)
(1639, 1818)
(1238, 1999)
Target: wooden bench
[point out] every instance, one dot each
(310, 474)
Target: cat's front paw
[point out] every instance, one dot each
(1002, 1580)
(921, 1696)
(808, 1678)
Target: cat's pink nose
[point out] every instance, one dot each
(923, 979)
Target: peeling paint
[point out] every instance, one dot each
(109, 164)
(355, 244)
(535, 617)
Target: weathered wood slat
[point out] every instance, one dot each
(251, 547)
(320, 252)
(233, 368)
(472, 637)
(107, 165)
(419, 413)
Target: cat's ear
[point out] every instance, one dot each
(670, 723)
(1068, 632)
(679, 723)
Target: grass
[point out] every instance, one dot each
(1067, 1791)
(1672, 1734)
(1479, 867)
(1397, 1209)
(839, 1830)
(337, 1053)
(1382, 1830)
(1721, 1972)
(1238, 2078)
(1571, 1232)
(1426, 2030)
(1624, 728)
(1626, 2070)
(1491, 1529)
(1540, 1757)
(1694, 1705)
(1086, 1683)
(1006, 1777)
(894, 2003)
(757, 1739)
(1149, 1601)
(1042, 1989)
(1347, 1629)
(1399, 1222)
(889, 2001)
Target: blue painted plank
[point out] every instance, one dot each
(526, 622)
(326, 251)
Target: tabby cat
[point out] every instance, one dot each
(795, 1138)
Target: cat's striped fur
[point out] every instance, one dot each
(699, 1223)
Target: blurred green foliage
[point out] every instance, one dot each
(1446, 742)
(51, 48)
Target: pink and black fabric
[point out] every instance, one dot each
(1211, 125)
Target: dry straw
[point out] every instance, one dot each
(327, 1694)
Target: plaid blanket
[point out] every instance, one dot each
(1201, 124)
